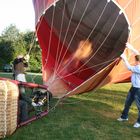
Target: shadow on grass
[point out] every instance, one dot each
(110, 92)
(83, 120)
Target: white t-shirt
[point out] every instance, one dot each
(20, 77)
(135, 78)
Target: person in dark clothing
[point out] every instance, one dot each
(134, 92)
(19, 66)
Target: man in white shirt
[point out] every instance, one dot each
(20, 63)
(134, 92)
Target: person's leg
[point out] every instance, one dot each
(129, 100)
(137, 99)
(23, 95)
(23, 109)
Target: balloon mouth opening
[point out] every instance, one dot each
(83, 37)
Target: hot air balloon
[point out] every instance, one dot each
(81, 41)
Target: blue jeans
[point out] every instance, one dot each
(133, 95)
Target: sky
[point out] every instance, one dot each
(17, 12)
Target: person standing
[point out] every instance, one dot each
(134, 92)
(19, 66)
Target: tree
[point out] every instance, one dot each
(11, 33)
(19, 46)
(33, 48)
(6, 52)
(14, 43)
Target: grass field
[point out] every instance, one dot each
(90, 116)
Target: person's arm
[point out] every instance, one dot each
(126, 61)
(129, 67)
(129, 46)
(27, 57)
(26, 60)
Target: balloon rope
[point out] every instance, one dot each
(74, 34)
(136, 21)
(57, 52)
(61, 98)
(75, 30)
(124, 8)
(35, 76)
(34, 35)
(44, 4)
(79, 23)
(138, 18)
(63, 43)
(125, 71)
(86, 69)
(97, 65)
(81, 84)
(50, 37)
(128, 3)
(89, 34)
(33, 40)
(85, 96)
(100, 45)
(80, 100)
(95, 90)
(137, 37)
(32, 43)
(95, 52)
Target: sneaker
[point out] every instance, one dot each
(121, 119)
(136, 125)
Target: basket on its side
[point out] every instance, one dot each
(8, 107)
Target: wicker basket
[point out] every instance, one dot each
(8, 107)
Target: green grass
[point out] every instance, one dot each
(90, 116)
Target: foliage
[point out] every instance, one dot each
(35, 61)
(10, 33)
(6, 51)
(35, 66)
(14, 43)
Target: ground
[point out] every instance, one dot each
(90, 116)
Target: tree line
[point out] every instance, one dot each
(14, 43)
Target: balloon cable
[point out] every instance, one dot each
(100, 45)
(63, 43)
(90, 32)
(87, 5)
(50, 36)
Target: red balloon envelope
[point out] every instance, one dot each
(81, 41)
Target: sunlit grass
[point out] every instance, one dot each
(90, 116)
